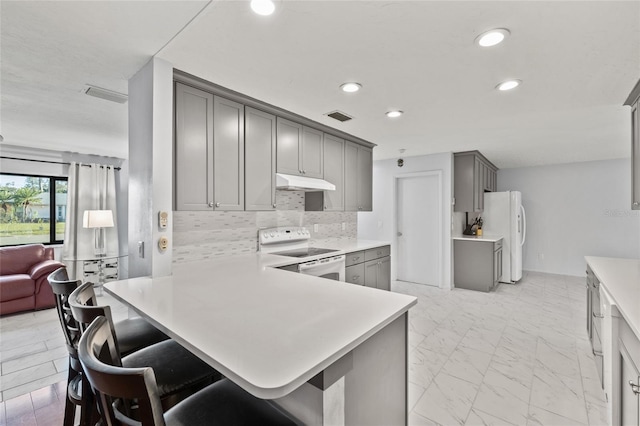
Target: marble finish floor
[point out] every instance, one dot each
(517, 356)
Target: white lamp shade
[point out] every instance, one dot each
(97, 219)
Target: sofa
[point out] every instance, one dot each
(23, 278)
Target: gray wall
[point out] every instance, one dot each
(575, 210)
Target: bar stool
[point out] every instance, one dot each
(130, 395)
(62, 287)
(136, 332)
(178, 372)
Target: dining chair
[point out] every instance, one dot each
(178, 372)
(62, 288)
(129, 395)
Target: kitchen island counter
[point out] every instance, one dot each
(269, 330)
(621, 279)
(486, 238)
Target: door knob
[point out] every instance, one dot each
(217, 204)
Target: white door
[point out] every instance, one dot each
(419, 229)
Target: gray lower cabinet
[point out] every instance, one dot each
(358, 177)
(629, 353)
(260, 160)
(209, 142)
(477, 264)
(634, 101)
(299, 149)
(371, 268)
(355, 274)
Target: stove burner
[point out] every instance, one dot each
(311, 251)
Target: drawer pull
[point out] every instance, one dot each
(596, 315)
(356, 258)
(596, 353)
(634, 388)
(355, 277)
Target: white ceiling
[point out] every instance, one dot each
(578, 62)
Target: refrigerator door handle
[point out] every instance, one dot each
(524, 225)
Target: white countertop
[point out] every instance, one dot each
(266, 329)
(621, 278)
(485, 238)
(342, 247)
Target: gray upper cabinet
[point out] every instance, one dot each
(311, 158)
(473, 176)
(228, 154)
(299, 149)
(209, 142)
(289, 139)
(194, 148)
(260, 160)
(358, 176)
(634, 101)
(334, 172)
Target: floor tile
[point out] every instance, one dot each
(540, 417)
(447, 400)
(480, 418)
(467, 364)
(558, 394)
(503, 397)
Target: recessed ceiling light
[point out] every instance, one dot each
(394, 113)
(492, 37)
(351, 87)
(263, 7)
(508, 85)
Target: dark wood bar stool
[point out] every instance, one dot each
(178, 372)
(131, 395)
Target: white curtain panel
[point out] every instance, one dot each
(90, 187)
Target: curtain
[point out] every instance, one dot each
(90, 187)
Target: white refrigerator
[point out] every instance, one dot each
(504, 215)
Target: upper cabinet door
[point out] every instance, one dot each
(365, 179)
(194, 148)
(334, 172)
(311, 154)
(350, 177)
(289, 137)
(635, 157)
(228, 154)
(260, 160)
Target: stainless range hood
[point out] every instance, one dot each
(302, 183)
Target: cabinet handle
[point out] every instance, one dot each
(356, 258)
(274, 205)
(634, 388)
(217, 204)
(636, 204)
(355, 277)
(596, 315)
(211, 204)
(596, 353)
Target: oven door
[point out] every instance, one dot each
(330, 267)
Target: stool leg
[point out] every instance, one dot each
(88, 410)
(69, 406)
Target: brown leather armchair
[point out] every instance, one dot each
(23, 278)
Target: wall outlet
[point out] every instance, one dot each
(540, 257)
(344, 226)
(315, 227)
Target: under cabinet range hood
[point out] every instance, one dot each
(302, 183)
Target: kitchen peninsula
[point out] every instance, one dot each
(326, 351)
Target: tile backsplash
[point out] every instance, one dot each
(207, 234)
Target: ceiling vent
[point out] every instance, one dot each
(340, 116)
(109, 95)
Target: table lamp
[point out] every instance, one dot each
(98, 219)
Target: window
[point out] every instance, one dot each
(33, 209)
